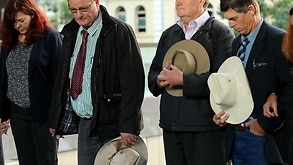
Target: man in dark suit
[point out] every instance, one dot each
(257, 140)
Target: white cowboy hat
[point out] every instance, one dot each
(230, 91)
(190, 57)
(116, 153)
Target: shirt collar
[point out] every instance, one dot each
(252, 35)
(200, 21)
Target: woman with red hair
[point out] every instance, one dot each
(288, 39)
(287, 48)
(28, 65)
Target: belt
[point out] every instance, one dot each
(243, 126)
(240, 127)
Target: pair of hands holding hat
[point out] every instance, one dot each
(229, 88)
(184, 57)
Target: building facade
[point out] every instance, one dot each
(149, 18)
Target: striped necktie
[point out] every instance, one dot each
(242, 49)
(77, 75)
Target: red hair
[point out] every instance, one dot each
(287, 46)
(37, 26)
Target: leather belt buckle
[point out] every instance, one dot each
(243, 126)
(240, 127)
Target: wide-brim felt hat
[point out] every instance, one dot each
(116, 153)
(190, 57)
(230, 91)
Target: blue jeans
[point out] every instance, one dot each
(88, 147)
(248, 149)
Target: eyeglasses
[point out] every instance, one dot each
(81, 9)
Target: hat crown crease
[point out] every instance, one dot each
(225, 89)
(185, 61)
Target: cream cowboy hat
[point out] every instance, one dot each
(190, 57)
(116, 153)
(230, 91)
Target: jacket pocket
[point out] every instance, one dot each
(110, 111)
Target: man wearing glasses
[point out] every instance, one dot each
(100, 77)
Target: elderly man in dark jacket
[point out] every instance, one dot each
(190, 136)
(113, 86)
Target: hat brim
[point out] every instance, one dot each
(109, 149)
(243, 107)
(199, 53)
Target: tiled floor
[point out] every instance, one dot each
(68, 157)
(65, 158)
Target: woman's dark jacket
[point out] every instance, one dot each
(192, 112)
(41, 75)
(117, 79)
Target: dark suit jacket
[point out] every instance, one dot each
(267, 72)
(42, 70)
(117, 79)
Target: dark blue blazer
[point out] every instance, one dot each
(42, 70)
(268, 72)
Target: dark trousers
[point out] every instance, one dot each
(88, 147)
(34, 144)
(194, 148)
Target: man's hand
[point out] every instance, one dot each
(270, 106)
(255, 128)
(221, 118)
(52, 132)
(171, 76)
(128, 139)
(4, 126)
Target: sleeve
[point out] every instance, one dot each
(132, 80)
